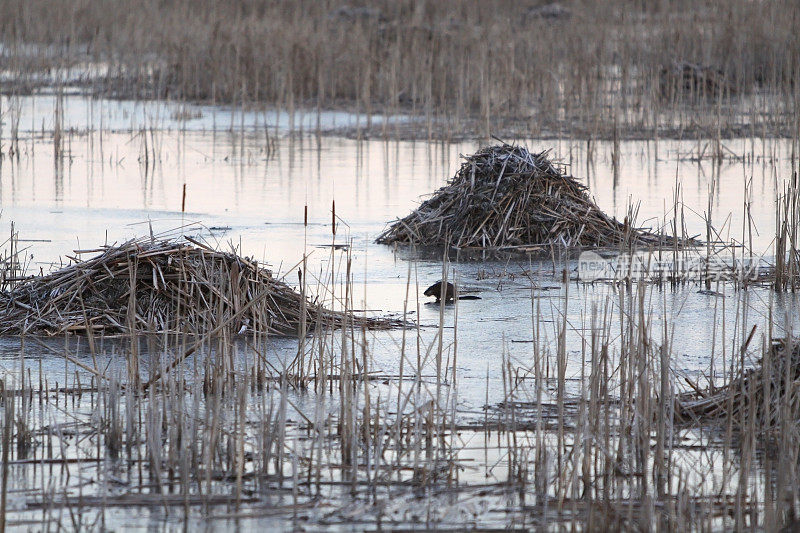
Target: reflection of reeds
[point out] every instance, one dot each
(12, 115)
(470, 64)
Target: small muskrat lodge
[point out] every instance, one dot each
(505, 197)
(176, 286)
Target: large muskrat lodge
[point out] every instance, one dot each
(504, 196)
(178, 286)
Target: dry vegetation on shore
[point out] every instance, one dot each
(597, 69)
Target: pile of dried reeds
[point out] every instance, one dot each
(757, 395)
(178, 286)
(504, 196)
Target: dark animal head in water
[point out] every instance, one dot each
(436, 290)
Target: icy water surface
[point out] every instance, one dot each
(121, 177)
(247, 189)
(108, 186)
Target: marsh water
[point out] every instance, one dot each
(121, 169)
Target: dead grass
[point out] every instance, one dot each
(505, 197)
(162, 286)
(592, 68)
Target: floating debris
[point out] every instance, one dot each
(177, 286)
(504, 196)
(338, 247)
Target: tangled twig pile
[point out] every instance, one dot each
(163, 286)
(757, 397)
(504, 196)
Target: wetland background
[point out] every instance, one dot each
(262, 126)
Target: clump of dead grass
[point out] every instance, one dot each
(765, 393)
(180, 286)
(505, 196)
